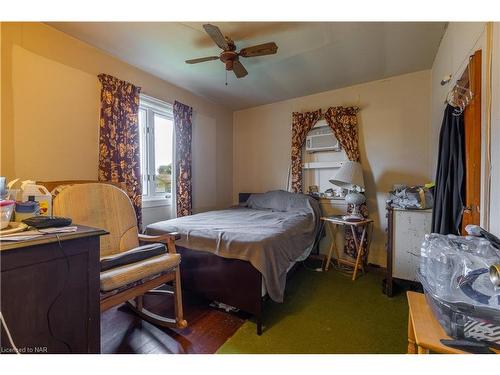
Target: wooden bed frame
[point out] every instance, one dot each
(231, 281)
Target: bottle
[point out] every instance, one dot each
(39, 194)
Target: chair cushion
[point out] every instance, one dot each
(132, 256)
(118, 277)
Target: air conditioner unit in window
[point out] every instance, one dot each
(321, 138)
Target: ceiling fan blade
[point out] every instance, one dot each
(217, 36)
(238, 69)
(202, 59)
(260, 50)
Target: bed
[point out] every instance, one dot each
(236, 256)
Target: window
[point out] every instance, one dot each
(156, 125)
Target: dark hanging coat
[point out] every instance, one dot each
(449, 194)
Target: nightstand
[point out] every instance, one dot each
(334, 222)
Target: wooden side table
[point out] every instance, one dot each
(336, 221)
(424, 331)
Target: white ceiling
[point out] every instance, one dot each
(312, 56)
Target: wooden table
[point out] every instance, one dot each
(49, 293)
(424, 331)
(334, 222)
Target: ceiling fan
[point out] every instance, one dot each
(229, 56)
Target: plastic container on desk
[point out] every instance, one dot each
(38, 193)
(25, 210)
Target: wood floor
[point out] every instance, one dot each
(208, 328)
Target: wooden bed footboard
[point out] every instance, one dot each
(231, 281)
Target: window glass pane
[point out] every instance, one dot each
(143, 150)
(163, 132)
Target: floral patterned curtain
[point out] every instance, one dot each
(344, 124)
(302, 123)
(119, 158)
(183, 134)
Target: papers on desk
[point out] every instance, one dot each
(21, 236)
(58, 230)
(32, 234)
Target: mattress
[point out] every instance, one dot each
(271, 233)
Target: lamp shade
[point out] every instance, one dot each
(349, 175)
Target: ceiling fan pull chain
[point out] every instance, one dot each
(226, 77)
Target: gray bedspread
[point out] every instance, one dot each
(271, 232)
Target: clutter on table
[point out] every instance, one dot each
(456, 273)
(26, 205)
(338, 193)
(411, 197)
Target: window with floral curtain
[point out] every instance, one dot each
(344, 124)
(119, 157)
(302, 123)
(183, 115)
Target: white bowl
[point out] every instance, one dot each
(6, 210)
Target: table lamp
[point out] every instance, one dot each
(350, 177)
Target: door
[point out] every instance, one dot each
(472, 127)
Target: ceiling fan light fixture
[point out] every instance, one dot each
(229, 56)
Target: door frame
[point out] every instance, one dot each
(472, 77)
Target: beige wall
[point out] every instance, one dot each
(394, 141)
(50, 110)
(56, 109)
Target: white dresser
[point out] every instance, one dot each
(406, 230)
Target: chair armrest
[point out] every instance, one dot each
(167, 238)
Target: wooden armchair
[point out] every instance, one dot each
(126, 274)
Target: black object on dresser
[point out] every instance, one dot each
(50, 293)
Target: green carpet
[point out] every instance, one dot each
(325, 312)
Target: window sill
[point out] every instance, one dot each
(149, 203)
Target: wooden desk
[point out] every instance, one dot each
(334, 222)
(424, 331)
(50, 293)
